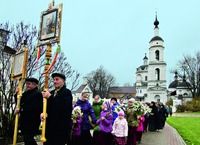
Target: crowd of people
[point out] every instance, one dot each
(104, 122)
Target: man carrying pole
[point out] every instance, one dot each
(59, 110)
(30, 109)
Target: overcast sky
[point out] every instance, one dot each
(116, 33)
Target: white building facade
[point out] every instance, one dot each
(151, 76)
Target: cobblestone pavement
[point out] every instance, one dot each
(166, 136)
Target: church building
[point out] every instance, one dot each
(151, 76)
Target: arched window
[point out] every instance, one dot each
(145, 78)
(157, 74)
(157, 53)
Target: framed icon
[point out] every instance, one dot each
(19, 65)
(50, 26)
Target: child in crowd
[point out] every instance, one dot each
(120, 129)
(105, 122)
(140, 128)
(76, 127)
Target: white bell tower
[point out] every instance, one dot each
(156, 89)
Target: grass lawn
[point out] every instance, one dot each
(189, 112)
(187, 127)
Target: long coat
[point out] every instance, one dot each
(58, 122)
(30, 109)
(154, 119)
(87, 110)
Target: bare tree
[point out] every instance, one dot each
(62, 66)
(190, 67)
(17, 35)
(100, 82)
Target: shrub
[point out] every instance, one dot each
(191, 106)
(169, 102)
(180, 108)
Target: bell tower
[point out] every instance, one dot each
(156, 89)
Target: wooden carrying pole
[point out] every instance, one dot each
(19, 95)
(48, 56)
(21, 77)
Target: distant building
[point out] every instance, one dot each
(124, 93)
(180, 90)
(151, 76)
(83, 88)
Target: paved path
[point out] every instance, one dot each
(166, 136)
(186, 114)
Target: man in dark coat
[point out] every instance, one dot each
(30, 109)
(59, 109)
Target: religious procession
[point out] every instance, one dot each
(52, 115)
(104, 122)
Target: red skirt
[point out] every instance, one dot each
(120, 140)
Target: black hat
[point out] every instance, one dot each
(33, 80)
(58, 75)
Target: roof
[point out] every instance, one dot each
(123, 90)
(9, 50)
(144, 83)
(184, 84)
(156, 38)
(80, 89)
(143, 67)
(145, 57)
(173, 84)
(127, 96)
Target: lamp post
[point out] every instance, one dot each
(3, 38)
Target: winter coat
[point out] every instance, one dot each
(140, 122)
(30, 110)
(87, 110)
(97, 108)
(97, 111)
(77, 127)
(106, 124)
(131, 117)
(59, 110)
(120, 128)
(115, 115)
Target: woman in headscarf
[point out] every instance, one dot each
(153, 117)
(105, 122)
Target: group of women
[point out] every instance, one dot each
(156, 119)
(101, 124)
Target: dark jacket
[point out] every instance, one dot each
(59, 110)
(30, 110)
(87, 110)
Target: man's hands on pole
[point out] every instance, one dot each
(46, 95)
